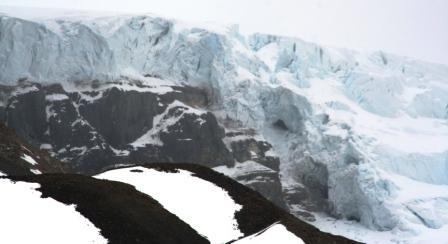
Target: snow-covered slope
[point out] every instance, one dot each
(64, 208)
(154, 203)
(359, 130)
(218, 208)
(206, 207)
(28, 218)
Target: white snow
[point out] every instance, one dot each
(246, 168)
(276, 233)
(25, 217)
(243, 168)
(150, 84)
(271, 153)
(204, 206)
(126, 82)
(35, 171)
(269, 55)
(50, 113)
(354, 230)
(24, 90)
(410, 190)
(29, 159)
(80, 150)
(2, 174)
(358, 232)
(46, 146)
(120, 152)
(56, 97)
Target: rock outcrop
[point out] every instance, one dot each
(17, 157)
(127, 122)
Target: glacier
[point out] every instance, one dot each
(364, 136)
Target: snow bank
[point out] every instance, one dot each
(204, 206)
(25, 217)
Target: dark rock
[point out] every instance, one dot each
(25, 113)
(266, 183)
(13, 148)
(251, 149)
(85, 127)
(2, 113)
(121, 117)
(196, 139)
(246, 148)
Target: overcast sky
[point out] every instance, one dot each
(416, 28)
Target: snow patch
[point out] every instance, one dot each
(28, 218)
(46, 146)
(204, 206)
(56, 97)
(35, 171)
(152, 85)
(23, 90)
(244, 168)
(79, 150)
(29, 159)
(120, 152)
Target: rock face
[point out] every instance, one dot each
(127, 122)
(18, 157)
(256, 164)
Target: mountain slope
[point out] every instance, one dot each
(254, 215)
(124, 215)
(117, 210)
(20, 158)
(161, 203)
(355, 133)
(27, 218)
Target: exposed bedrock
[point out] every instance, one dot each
(123, 122)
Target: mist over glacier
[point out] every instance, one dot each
(365, 135)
